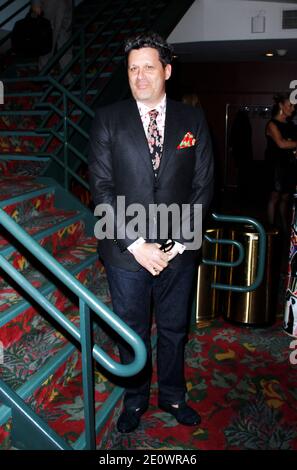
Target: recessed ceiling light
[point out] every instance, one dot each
(269, 54)
(281, 52)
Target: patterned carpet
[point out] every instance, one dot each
(241, 382)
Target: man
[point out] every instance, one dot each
(141, 149)
(59, 13)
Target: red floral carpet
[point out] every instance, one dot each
(241, 382)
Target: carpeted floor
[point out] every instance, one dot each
(242, 383)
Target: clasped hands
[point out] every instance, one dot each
(150, 257)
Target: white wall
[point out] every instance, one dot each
(223, 20)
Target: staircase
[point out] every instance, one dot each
(39, 362)
(43, 142)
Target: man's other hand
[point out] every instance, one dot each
(150, 257)
(173, 252)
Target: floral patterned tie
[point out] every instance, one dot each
(154, 141)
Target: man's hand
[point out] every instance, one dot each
(36, 9)
(173, 252)
(150, 257)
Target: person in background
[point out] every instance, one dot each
(242, 151)
(151, 150)
(281, 160)
(59, 13)
(192, 99)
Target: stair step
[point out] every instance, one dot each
(26, 132)
(38, 94)
(23, 165)
(101, 75)
(54, 376)
(5, 435)
(13, 187)
(21, 207)
(111, 45)
(65, 413)
(75, 259)
(41, 342)
(21, 101)
(24, 208)
(21, 144)
(118, 58)
(37, 347)
(22, 113)
(49, 228)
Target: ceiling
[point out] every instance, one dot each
(236, 51)
(239, 50)
(276, 1)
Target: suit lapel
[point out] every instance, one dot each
(135, 127)
(172, 131)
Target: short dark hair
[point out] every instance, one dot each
(153, 40)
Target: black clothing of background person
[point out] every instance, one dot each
(242, 151)
(280, 160)
(281, 163)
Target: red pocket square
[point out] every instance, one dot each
(188, 141)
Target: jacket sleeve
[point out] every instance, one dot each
(101, 179)
(202, 182)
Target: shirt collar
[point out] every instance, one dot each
(161, 107)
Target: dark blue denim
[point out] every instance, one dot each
(133, 295)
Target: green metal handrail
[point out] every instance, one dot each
(11, 17)
(66, 125)
(83, 45)
(223, 241)
(87, 302)
(84, 65)
(66, 128)
(79, 57)
(261, 258)
(85, 296)
(25, 418)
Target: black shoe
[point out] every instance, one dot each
(184, 414)
(129, 419)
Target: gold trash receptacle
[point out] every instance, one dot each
(257, 307)
(207, 298)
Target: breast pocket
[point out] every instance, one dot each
(186, 152)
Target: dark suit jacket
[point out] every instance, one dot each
(120, 165)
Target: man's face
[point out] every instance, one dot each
(147, 75)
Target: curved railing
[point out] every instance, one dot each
(86, 298)
(262, 252)
(87, 302)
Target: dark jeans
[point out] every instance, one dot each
(131, 294)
